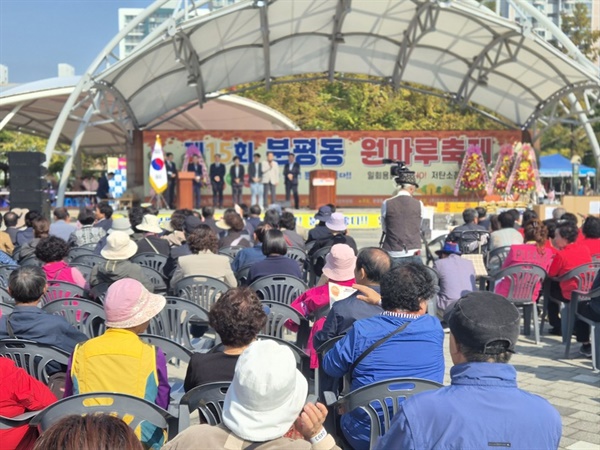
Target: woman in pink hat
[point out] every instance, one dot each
(339, 269)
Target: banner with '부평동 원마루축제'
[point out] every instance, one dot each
(356, 156)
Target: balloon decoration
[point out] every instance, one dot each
(473, 172)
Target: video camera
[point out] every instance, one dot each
(397, 168)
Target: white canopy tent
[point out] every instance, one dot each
(457, 48)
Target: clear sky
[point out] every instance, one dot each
(37, 35)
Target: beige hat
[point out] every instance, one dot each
(150, 223)
(119, 246)
(121, 224)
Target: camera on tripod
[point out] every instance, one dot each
(397, 168)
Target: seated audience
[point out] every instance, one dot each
(275, 263)
(371, 265)
(254, 218)
(53, 251)
(6, 260)
(11, 220)
(340, 265)
(507, 235)
(235, 235)
(413, 345)
(119, 361)
(151, 241)
(568, 217)
(557, 213)
(591, 235)
(120, 224)
(204, 259)
(469, 235)
(190, 224)
(136, 215)
(320, 231)
(20, 393)
(482, 218)
(248, 256)
(61, 226)
(336, 224)
(87, 234)
(483, 406)
(591, 310)
(287, 225)
(533, 251)
(177, 235)
(26, 235)
(208, 218)
(6, 244)
(272, 216)
(528, 214)
(117, 251)
(456, 276)
(237, 317)
(517, 216)
(41, 228)
(265, 408)
(104, 214)
(570, 255)
(89, 432)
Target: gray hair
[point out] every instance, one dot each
(26, 284)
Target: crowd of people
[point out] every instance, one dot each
(384, 327)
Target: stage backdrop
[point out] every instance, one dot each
(356, 156)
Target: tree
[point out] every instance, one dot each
(578, 26)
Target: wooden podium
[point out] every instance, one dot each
(185, 190)
(322, 188)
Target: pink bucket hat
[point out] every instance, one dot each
(129, 304)
(337, 222)
(340, 263)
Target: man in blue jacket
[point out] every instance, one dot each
(483, 408)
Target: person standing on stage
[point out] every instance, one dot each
(171, 180)
(270, 178)
(195, 167)
(256, 187)
(291, 172)
(237, 172)
(217, 181)
(103, 191)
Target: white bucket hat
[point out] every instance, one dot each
(150, 223)
(267, 393)
(336, 222)
(121, 224)
(119, 246)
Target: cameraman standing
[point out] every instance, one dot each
(401, 218)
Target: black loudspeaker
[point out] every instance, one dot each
(27, 181)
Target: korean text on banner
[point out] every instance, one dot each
(158, 170)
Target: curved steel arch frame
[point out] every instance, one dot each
(574, 101)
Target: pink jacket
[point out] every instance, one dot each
(521, 254)
(61, 271)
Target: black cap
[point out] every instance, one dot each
(191, 223)
(485, 322)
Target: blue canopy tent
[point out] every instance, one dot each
(558, 166)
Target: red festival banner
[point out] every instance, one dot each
(357, 156)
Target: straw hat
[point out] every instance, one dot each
(119, 246)
(151, 224)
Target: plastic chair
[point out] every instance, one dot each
(495, 258)
(6, 423)
(320, 376)
(160, 286)
(378, 398)
(5, 297)
(316, 260)
(524, 278)
(208, 399)
(585, 276)
(230, 251)
(84, 269)
(596, 257)
(98, 292)
(279, 288)
(79, 251)
(155, 261)
(31, 260)
(432, 246)
(33, 357)
(242, 275)
(203, 291)
(89, 260)
(5, 271)
(175, 319)
(57, 290)
(297, 254)
(472, 241)
(85, 315)
(576, 298)
(89, 246)
(279, 314)
(302, 359)
(133, 410)
(5, 309)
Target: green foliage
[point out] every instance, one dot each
(351, 106)
(578, 27)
